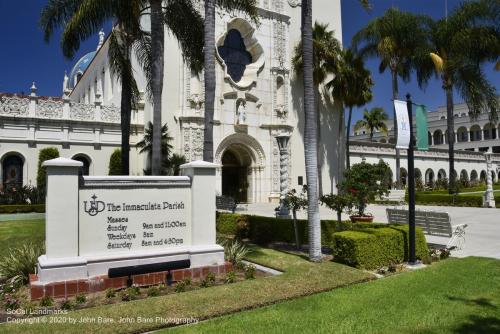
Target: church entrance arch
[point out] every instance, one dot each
(235, 164)
(241, 159)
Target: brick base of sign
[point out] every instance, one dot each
(66, 289)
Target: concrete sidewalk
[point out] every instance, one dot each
(482, 233)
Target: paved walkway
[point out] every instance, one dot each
(482, 233)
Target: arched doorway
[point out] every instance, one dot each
(86, 163)
(12, 171)
(429, 177)
(235, 165)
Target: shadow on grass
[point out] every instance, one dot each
(479, 325)
(483, 302)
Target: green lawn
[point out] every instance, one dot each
(300, 278)
(14, 233)
(453, 296)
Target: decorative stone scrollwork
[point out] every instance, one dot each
(294, 3)
(281, 112)
(110, 114)
(280, 43)
(197, 152)
(276, 167)
(197, 101)
(14, 105)
(81, 111)
(49, 109)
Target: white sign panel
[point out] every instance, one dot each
(118, 220)
(403, 140)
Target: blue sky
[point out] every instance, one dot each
(25, 57)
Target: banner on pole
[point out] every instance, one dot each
(403, 122)
(422, 130)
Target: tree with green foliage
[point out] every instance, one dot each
(295, 202)
(352, 86)
(338, 203)
(41, 176)
(364, 182)
(373, 120)
(399, 40)
(115, 163)
(460, 44)
(80, 20)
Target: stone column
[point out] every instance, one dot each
(283, 147)
(61, 212)
(61, 259)
(204, 249)
(488, 197)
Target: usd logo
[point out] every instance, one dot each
(95, 206)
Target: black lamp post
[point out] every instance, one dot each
(411, 187)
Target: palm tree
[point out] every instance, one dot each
(373, 120)
(146, 144)
(171, 162)
(397, 39)
(469, 37)
(326, 50)
(310, 134)
(352, 87)
(80, 20)
(157, 54)
(246, 6)
(185, 23)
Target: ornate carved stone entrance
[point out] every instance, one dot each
(242, 163)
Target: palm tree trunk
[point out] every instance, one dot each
(125, 113)
(451, 137)
(348, 139)
(395, 97)
(310, 135)
(157, 44)
(208, 135)
(318, 140)
(341, 146)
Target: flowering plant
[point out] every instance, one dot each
(364, 182)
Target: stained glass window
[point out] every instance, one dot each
(235, 55)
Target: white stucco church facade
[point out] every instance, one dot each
(258, 97)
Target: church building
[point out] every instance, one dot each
(259, 99)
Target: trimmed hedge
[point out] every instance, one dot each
(45, 154)
(263, 230)
(115, 163)
(376, 247)
(22, 208)
(364, 245)
(451, 200)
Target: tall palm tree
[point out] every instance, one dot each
(469, 37)
(351, 86)
(397, 39)
(373, 120)
(157, 66)
(246, 6)
(326, 50)
(310, 134)
(81, 19)
(185, 23)
(146, 144)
